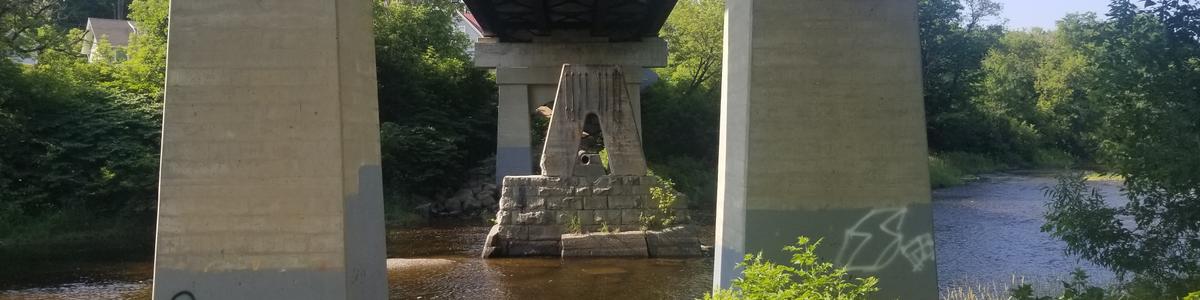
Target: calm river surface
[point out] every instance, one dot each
(985, 232)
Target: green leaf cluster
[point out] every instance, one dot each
(807, 277)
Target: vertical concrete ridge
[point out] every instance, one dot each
(364, 233)
(733, 155)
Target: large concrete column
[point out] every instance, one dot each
(822, 134)
(270, 182)
(530, 71)
(514, 152)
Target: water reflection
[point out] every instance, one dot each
(986, 232)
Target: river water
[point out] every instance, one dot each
(986, 233)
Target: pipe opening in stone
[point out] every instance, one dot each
(591, 143)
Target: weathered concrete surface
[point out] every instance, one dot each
(270, 185)
(530, 72)
(593, 90)
(621, 244)
(822, 134)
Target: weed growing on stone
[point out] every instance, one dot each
(574, 226)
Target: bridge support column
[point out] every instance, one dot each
(527, 75)
(823, 135)
(270, 181)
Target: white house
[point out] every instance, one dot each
(116, 32)
(465, 22)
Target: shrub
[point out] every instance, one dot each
(808, 277)
(943, 174)
(1075, 289)
(664, 196)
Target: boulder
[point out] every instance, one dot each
(464, 199)
(487, 198)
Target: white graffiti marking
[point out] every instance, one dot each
(861, 246)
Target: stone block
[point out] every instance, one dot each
(531, 218)
(587, 217)
(561, 203)
(622, 202)
(507, 203)
(533, 248)
(595, 202)
(535, 203)
(552, 191)
(624, 244)
(602, 186)
(583, 191)
(504, 217)
(544, 232)
(674, 242)
(631, 216)
(612, 217)
(563, 217)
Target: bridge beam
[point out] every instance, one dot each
(823, 135)
(270, 181)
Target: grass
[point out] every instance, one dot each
(957, 168)
(1096, 176)
(999, 290)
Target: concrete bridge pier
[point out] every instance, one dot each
(527, 74)
(823, 135)
(270, 181)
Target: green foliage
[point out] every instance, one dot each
(694, 37)
(1146, 61)
(943, 174)
(438, 112)
(27, 28)
(665, 198)
(73, 147)
(574, 226)
(953, 45)
(954, 168)
(808, 277)
(1076, 289)
(1193, 296)
(681, 112)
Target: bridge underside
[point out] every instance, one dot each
(616, 20)
(270, 183)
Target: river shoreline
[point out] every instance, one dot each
(986, 235)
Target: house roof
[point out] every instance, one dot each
(467, 15)
(117, 32)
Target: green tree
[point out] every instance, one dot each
(145, 70)
(27, 27)
(438, 111)
(681, 112)
(953, 45)
(694, 40)
(1147, 62)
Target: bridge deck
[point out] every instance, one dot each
(618, 20)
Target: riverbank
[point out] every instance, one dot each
(986, 235)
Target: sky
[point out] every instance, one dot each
(1043, 13)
